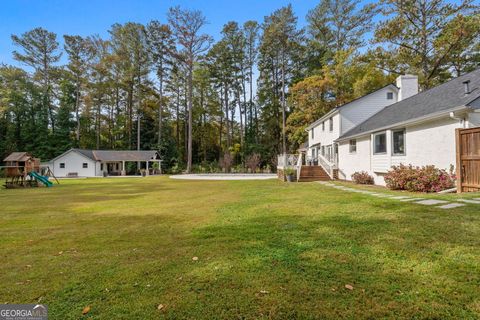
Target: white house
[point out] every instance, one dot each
(417, 130)
(323, 133)
(96, 163)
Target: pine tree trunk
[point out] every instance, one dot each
(190, 116)
(160, 120)
(227, 121)
(284, 139)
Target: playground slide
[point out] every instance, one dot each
(40, 178)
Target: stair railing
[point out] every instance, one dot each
(328, 166)
(299, 165)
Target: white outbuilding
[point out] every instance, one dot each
(97, 163)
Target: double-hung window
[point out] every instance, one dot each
(398, 142)
(380, 143)
(353, 146)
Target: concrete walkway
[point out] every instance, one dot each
(225, 176)
(442, 204)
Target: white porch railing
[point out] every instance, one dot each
(326, 164)
(295, 162)
(299, 166)
(287, 161)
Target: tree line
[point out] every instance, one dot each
(238, 101)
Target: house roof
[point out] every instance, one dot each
(18, 156)
(442, 98)
(328, 114)
(124, 155)
(116, 155)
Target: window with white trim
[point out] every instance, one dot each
(330, 121)
(398, 142)
(323, 126)
(353, 146)
(389, 95)
(62, 165)
(85, 165)
(380, 143)
(313, 135)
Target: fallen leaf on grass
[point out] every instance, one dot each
(263, 291)
(86, 310)
(195, 258)
(161, 307)
(349, 286)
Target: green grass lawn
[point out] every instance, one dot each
(266, 250)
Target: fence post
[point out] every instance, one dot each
(458, 143)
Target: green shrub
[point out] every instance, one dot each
(362, 177)
(290, 171)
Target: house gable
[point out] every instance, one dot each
(437, 101)
(359, 110)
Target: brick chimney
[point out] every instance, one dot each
(407, 85)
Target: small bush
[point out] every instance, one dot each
(253, 162)
(290, 171)
(362, 177)
(176, 169)
(226, 162)
(419, 179)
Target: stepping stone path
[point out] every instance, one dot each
(431, 202)
(452, 205)
(441, 204)
(470, 201)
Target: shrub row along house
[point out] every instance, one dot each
(395, 125)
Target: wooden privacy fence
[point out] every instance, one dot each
(468, 159)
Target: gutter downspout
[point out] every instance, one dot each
(461, 120)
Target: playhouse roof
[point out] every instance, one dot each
(18, 157)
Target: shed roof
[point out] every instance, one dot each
(444, 97)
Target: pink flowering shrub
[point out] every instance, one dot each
(362, 177)
(419, 179)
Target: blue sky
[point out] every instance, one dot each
(88, 17)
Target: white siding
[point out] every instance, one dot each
(360, 110)
(430, 143)
(351, 115)
(474, 119)
(350, 163)
(325, 137)
(73, 164)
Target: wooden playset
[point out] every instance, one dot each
(23, 170)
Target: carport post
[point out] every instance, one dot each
(123, 169)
